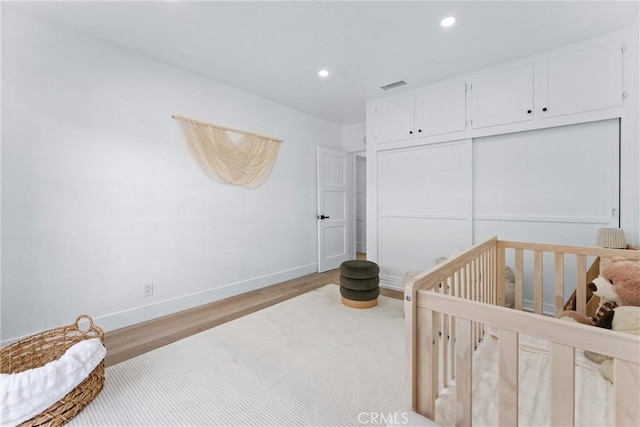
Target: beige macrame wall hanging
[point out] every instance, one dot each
(247, 162)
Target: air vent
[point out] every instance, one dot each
(393, 85)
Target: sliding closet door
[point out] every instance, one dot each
(424, 199)
(556, 185)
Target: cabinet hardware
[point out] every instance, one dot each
(544, 109)
(528, 111)
(624, 95)
(624, 48)
(419, 130)
(410, 132)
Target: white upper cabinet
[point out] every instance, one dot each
(394, 120)
(502, 97)
(441, 110)
(435, 111)
(582, 82)
(587, 80)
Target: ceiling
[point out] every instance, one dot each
(274, 49)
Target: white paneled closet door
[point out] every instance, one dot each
(424, 206)
(556, 185)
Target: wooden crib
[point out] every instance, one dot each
(448, 307)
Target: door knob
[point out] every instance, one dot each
(323, 217)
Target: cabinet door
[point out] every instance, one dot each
(441, 110)
(502, 97)
(394, 120)
(584, 81)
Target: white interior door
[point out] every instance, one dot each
(332, 209)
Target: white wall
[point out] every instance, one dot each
(352, 137)
(100, 194)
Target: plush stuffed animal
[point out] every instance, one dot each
(509, 287)
(618, 283)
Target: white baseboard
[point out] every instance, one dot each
(120, 319)
(547, 309)
(391, 282)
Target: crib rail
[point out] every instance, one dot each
(565, 338)
(563, 256)
(430, 354)
(447, 307)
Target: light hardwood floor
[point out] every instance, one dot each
(131, 341)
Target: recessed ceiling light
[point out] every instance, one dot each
(323, 73)
(448, 21)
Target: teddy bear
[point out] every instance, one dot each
(618, 284)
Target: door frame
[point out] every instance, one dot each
(352, 191)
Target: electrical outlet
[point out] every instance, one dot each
(147, 289)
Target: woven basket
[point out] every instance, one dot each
(37, 350)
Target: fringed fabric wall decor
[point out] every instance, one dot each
(247, 162)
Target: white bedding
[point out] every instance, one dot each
(26, 394)
(594, 394)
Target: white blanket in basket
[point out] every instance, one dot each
(25, 394)
(594, 397)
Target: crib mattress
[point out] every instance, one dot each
(594, 395)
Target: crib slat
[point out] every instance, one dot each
(581, 289)
(486, 275)
(450, 341)
(444, 344)
(411, 342)
(561, 384)
(559, 282)
(476, 297)
(626, 376)
(519, 276)
(427, 372)
(508, 379)
(464, 357)
(463, 282)
(537, 282)
(436, 359)
(500, 276)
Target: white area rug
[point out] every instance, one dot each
(306, 361)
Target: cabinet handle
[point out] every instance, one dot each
(419, 130)
(544, 109)
(528, 111)
(410, 132)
